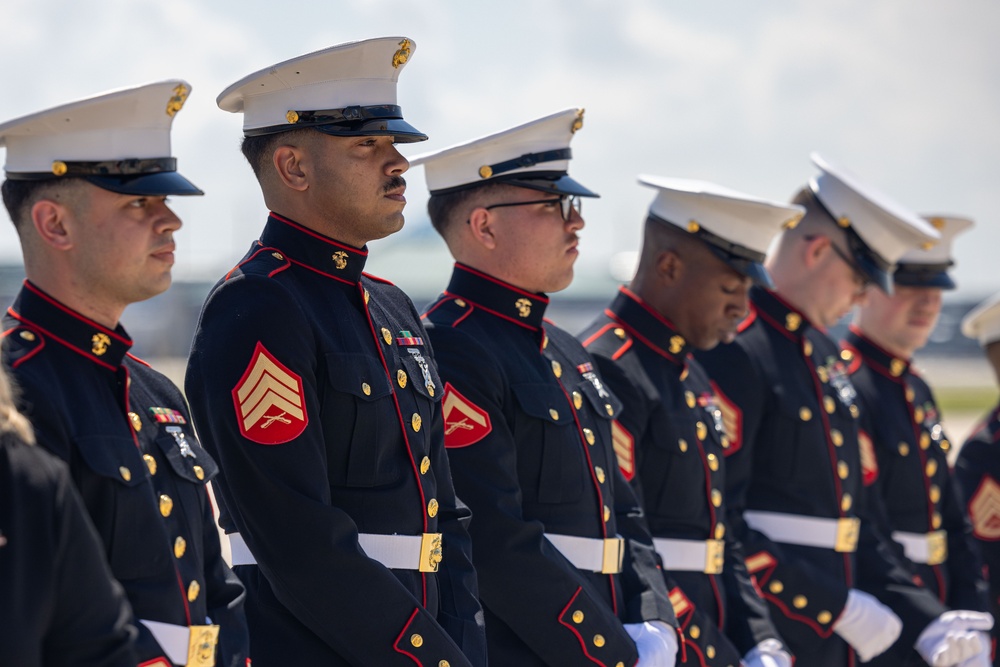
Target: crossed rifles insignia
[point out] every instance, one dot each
(270, 407)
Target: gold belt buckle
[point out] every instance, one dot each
(937, 547)
(201, 645)
(430, 552)
(714, 552)
(614, 550)
(847, 535)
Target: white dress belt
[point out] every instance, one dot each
(590, 553)
(807, 531)
(691, 555)
(927, 548)
(396, 552)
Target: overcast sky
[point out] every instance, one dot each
(905, 93)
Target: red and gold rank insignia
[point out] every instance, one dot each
(869, 463)
(732, 421)
(624, 445)
(984, 510)
(465, 423)
(270, 408)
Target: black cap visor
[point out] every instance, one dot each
(559, 183)
(923, 275)
(868, 263)
(152, 185)
(403, 132)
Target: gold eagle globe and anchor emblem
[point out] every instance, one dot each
(176, 102)
(401, 55)
(340, 260)
(99, 343)
(523, 307)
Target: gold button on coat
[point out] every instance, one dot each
(166, 505)
(28, 336)
(366, 389)
(716, 497)
(599, 471)
(799, 601)
(193, 589)
(589, 435)
(807, 348)
(918, 415)
(925, 440)
(415, 422)
(793, 321)
(578, 617)
(136, 422)
(430, 389)
(776, 587)
(180, 546)
(829, 405)
(125, 473)
(444, 663)
(416, 640)
(386, 336)
(690, 399)
(425, 465)
(199, 472)
(843, 470)
(598, 641)
(577, 400)
(805, 414)
(713, 462)
(935, 493)
(846, 502)
(720, 531)
(610, 410)
(607, 513)
(710, 651)
(824, 617)
(701, 430)
(904, 449)
(460, 303)
(554, 414)
(556, 368)
(620, 332)
(682, 443)
(432, 508)
(909, 394)
(401, 378)
(936, 520)
(932, 467)
(367, 296)
(854, 411)
(150, 463)
(694, 631)
(836, 437)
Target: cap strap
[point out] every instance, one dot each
(350, 114)
(526, 160)
(128, 167)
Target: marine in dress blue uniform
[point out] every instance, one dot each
(317, 387)
(560, 543)
(794, 469)
(60, 603)
(122, 427)
(703, 247)
(977, 468)
(903, 444)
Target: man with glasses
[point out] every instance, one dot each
(904, 450)
(567, 569)
(798, 503)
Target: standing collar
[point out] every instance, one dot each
(778, 313)
(877, 356)
(312, 250)
(649, 326)
(36, 309)
(498, 297)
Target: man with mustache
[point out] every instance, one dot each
(904, 450)
(86, 189)
(703, 247)
(565, 561)
(794, 470)
(317, 388)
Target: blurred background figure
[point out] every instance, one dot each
(977, 469)
(59, 604)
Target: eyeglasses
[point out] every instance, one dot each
(567, 204)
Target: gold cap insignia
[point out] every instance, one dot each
(176, 102)
(792, 223)
(485, 171)
(340, 259)
(844, 221)
(523, 307)
(99, 343)
(693, 226)
(402, 55)
(292, 116)
(59, 168)
(928, 245)
(937, 223)
(577, 122)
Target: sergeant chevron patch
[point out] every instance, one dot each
(624, 445)
(270, 408)
(984, 510)
(465, 423)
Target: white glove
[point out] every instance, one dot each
(983, 658)
(768, 653)
(656, 642)
(955, 637)
(867, 625)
